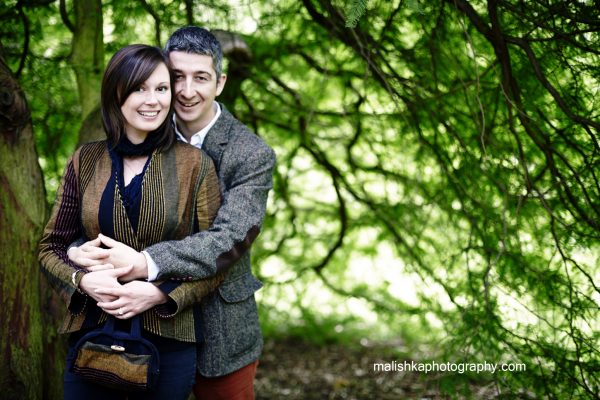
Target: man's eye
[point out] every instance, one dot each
(178, 77)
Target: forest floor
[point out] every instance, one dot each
(292, 369)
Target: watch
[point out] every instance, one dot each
(76, 281)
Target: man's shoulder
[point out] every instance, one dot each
(239, 135)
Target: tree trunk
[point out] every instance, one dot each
(22, 215)
(239, 55)
(88, 58)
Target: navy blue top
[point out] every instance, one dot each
(131, 195)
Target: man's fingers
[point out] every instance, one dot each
(105, 299)
(100, 267)
(114, 292)
(117, 272)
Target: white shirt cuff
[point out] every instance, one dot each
(152, 267)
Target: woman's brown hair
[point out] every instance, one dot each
(127, 70)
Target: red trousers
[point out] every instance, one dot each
(238, 385)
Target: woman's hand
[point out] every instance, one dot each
(90, 255)
(106, 279)
(131, 299)
(93, 257)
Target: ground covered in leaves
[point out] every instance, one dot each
(292, 369)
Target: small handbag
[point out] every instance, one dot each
(117, 359)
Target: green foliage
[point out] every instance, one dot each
(356, 9)
(437, 174)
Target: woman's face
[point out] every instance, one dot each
(146, 108)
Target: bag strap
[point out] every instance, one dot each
(136, 326)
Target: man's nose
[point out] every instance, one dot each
(187, 89)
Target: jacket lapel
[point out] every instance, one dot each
(218, 136)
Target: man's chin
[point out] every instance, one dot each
(187, 112)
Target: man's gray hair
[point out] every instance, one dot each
(196, 40)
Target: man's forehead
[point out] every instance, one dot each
(191, 63)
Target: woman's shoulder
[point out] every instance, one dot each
(89, 151)
(186, 162)
(186, 150)
(92, 147)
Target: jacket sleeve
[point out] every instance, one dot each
(63, 227)
(247, 180)
(183, 294)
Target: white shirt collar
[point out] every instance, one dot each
(198, 138)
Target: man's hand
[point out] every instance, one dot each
(93, 257)
(107, 279)
(132, 299)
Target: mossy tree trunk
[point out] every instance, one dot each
(23, 339)
(87, 59)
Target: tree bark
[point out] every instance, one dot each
(239, 55)
(22, 215)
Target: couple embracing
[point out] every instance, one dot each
(163, 229)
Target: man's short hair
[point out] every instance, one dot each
(196, 40)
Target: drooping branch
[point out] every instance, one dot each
(239, 55)
(156, 19)
(512, 92)
(64, 15)
(552, 90)
(26, 35)
(189, 12)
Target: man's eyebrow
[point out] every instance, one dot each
(199, 72)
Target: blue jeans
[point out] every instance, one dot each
(177, 375)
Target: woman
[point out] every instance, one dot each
(139, 186)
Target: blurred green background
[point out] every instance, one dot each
(437, 179)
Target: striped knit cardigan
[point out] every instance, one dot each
(179, 186)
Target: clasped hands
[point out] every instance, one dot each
(112, 277)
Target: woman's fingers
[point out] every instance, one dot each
(118, 308)
(108, 242)
(100, 267)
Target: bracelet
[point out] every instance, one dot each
(76, 282)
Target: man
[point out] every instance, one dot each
(228, 358)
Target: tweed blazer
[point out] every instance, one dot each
(179, 190)
(231, 330)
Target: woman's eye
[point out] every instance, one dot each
(163, 89)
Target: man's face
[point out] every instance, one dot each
(196, 86)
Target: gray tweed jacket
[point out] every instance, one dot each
(244, 165)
